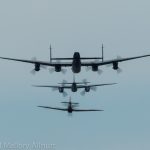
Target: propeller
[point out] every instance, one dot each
(34, 58)
(109, 65)
(51, 70)
(119, 70)
(63, 82)
(43, 66)
(83, 93)
(88, 68)
(63, 71)
(33, 71)
(85, 81)
(99, 71)
(64, 94)
(119, 57)
(54, 89)
(94, 88)
(70, 114)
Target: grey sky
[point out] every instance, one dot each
(26, 30)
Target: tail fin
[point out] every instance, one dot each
(50, 53)
(102, 53)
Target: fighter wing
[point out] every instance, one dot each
(84, 86)
(85, 110)
(49, 86)
(111, 61)
(65, 64)
(55, 108)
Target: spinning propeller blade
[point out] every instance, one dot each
(64, 94)
(33, 72)
(94, 88)
(83, 93)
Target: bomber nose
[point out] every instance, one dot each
(76, 55)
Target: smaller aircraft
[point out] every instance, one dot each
(74, 86)
(70, 107)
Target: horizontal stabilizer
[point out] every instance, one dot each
(82, 82)
(69, 102)
(86, 110)
(85, 58)
(64, 83)
(91, 58)
(75, 82)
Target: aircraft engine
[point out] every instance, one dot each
(37, 67)
(58, 68)
(61, 89)
(115, 65)
(87, 89)
(94, 67)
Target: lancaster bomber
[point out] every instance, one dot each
(74, 86)
(76, 62)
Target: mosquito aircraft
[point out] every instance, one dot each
(74, 86)
(76, 62)
(70, 107)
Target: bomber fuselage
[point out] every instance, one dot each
(76, 64)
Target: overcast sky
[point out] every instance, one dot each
(26, 30)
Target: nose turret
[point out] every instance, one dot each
(74, 87)
(76, 55)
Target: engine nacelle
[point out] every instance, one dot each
(37, 67)
(61, 89)
(87, 89)
(58, 68)
(115, 65)
(94, 67)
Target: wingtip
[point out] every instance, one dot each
(115, 83)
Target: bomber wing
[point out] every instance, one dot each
(112, 61)
(51, 86)
(64, 64)
(83, 86)
(46, 86)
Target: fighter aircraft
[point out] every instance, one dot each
(70, 107)
(76, 62)
(74, 86)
